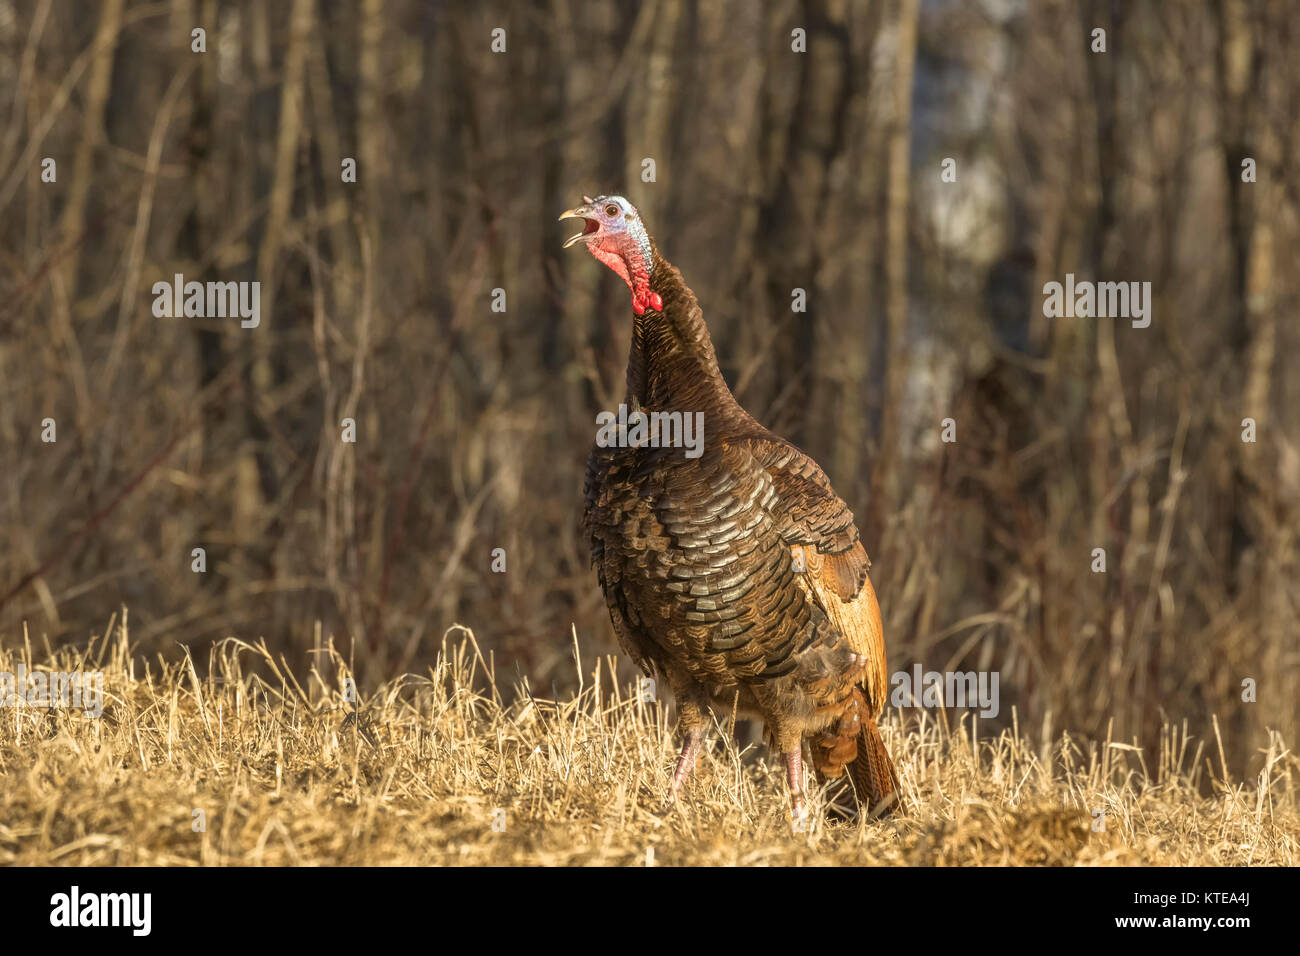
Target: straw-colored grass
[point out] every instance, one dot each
(451, 767)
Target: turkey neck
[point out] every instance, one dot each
(671, 365)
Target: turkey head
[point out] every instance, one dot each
(614, 234)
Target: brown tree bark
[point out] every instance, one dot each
(885, 475)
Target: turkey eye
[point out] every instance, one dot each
(611, 210)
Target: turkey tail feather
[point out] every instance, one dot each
(854, 744)
(874, 776)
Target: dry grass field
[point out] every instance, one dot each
(456, 766)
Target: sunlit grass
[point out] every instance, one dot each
(453, 767)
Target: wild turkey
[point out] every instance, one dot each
(738, 574)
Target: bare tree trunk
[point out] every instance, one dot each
(1240, 71)
(651, 104)
(92, 135)
(884, 484)
(802, 145)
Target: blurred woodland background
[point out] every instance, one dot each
(774, 170)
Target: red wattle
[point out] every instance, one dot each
(656, 302)
(637, 307)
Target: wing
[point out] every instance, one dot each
(814, 515)
(856, 619)
(819, 527)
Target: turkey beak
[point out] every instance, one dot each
(590, 229)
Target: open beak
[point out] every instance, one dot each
(591, 227)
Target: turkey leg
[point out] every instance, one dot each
(794, 777)
(686, 762)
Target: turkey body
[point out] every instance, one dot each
(714, 580)
(737, 576)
